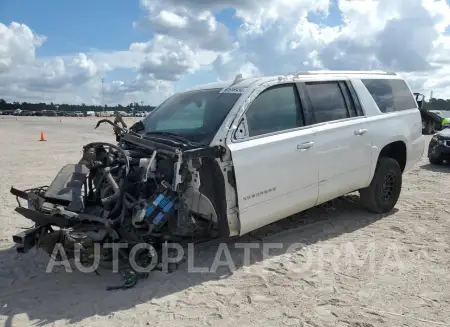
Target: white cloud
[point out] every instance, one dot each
(199, 30)
(228, 65)
(140, 89)
(276, 36)
(18, 45)
(403, 36)
(166, 58)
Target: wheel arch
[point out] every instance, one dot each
(396, 150)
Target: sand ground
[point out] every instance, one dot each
(355, 269)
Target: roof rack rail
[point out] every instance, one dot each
(348, 72)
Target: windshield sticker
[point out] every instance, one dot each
(238, 90)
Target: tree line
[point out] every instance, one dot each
(437, 104)
(433, 104)
(28, 106)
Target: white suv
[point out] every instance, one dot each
(224, 159)
(293, 142)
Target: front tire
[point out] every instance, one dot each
(430, 127)
(382, 194)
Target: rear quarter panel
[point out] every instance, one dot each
(385, 128)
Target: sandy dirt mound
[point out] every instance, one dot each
(353, 268)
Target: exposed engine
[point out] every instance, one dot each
(138, 191)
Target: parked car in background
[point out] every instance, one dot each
(439, 146)
(140, 114)
(49, 113)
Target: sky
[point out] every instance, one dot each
(146, 50)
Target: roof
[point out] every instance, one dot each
(298, 76)
(223, 84)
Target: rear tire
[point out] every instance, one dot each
(429, 127)
(382, 194)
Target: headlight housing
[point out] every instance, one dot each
(438, 140)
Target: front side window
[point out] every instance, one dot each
(195, 115)
(276, 109)
(327, 101)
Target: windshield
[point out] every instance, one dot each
(195, 115)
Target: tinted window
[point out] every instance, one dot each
(390, 94)
(196, 115)
(327, 101)
(276, 109)
(352, 100)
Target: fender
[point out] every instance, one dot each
(376, 150)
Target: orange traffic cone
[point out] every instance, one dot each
(42, 137)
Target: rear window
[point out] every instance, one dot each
(390, 94)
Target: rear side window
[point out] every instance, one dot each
(274, 110)
(390, 94)
(327, 101)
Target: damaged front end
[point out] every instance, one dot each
(140, 190)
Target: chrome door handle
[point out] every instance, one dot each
(360, 131)
(304, 146)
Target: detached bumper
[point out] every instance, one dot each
(45, 215)
(29, 238)
(34, 213)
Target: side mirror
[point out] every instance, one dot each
(241, 131)
(420, 103)
(419, 99)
